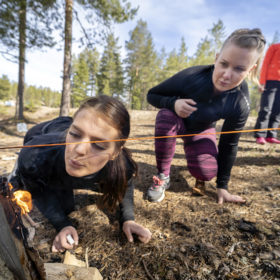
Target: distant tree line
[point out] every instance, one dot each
(130, 78)
(34, 97)
(29, 24)
(26, 24)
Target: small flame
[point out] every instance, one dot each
(23, 199)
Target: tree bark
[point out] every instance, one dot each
(66, 87)
(22, 46)
(8, 249)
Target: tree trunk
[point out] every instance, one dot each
(22, 42)
(66, 89)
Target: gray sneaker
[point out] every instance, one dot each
(156, 191)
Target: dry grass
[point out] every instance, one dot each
(193, 237)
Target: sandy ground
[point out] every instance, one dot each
(193, 237)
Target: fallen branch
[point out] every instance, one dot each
(30, 220)
(147, 271)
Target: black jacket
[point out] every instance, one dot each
(41, 171)
(232, 106)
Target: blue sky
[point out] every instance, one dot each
(168, 21)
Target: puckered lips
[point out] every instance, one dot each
(75, 163)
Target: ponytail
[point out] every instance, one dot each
(114, 179)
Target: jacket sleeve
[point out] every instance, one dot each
(266, 63)
(228, 145)
(127, 204)
(49, 205)
(166, 93)
(32, 174)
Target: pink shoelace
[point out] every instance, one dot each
(157, 182)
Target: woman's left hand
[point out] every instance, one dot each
(130, 227)
(225, 196)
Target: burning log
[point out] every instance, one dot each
(22, 260)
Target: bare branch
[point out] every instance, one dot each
(13, 58)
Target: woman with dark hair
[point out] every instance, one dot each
(193, 100)
(85, 156)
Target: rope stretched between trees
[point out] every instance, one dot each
(137, 138)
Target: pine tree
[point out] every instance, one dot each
(5, 86)
(182, 55)
(83, 77)
(142, 65)
(25, 24)
(111, 77)
(92, 59)
(217, 32)
(209, 46)
(102, 11)
(204, 54)
(80, 80)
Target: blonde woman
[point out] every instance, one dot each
(192, 101)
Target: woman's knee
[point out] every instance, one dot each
(167, 123)
(203, 167)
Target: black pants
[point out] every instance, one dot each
(269, 114)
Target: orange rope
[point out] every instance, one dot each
(138, 138)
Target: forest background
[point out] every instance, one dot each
(93, 72)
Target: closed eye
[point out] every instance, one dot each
(74, 135)
(98, 146)
(239, 69)
(224, 64)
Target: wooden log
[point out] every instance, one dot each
(60, 271)
(22, 261)
(8, 250)
(70, 259)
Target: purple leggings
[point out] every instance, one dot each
(201, 150)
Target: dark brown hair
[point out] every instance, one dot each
(114, 174)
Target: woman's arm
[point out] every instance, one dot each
(228, 144)
(266, 64)
(129, 226)
(166, 93)
(127, 204)
(34, 172)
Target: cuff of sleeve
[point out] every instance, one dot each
(225, 187)
(61, 225)
(127, 218)
(172, 103)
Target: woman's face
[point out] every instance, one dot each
(82, 159)
(232, 66)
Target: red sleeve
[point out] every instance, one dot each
(266, 63)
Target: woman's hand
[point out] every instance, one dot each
(60, 242)
(184, 107)
(130, 227)
(225, 196)
(261, 88)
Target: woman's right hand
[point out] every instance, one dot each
(184, 107)
(261, 88)
(60, 242)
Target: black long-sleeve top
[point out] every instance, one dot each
(41, 171)
(232, 106)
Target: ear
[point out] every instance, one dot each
(217, 56)
(116, 154)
